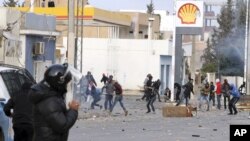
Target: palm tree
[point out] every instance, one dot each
(150, 7)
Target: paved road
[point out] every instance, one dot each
(138, 126)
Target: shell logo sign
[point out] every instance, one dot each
(189, 14)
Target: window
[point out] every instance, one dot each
(14, 79)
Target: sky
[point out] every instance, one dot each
(115, 5)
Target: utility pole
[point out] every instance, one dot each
(71, 32)
(248, 52)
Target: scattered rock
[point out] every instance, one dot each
(123, 130)
(214, 129)
(195, 135)
(143, 129)
(199, 126)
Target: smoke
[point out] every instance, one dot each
(231, 53)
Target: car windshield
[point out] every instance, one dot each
(14, 79)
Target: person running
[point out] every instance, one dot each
(188, 90)
(150, 95)
(95, 95)
(104, 78)
(236, 96)
(177, 86)
(109, 93)
(90, 78)
(225, 90)
(119, 97)
(218, 93)
(145, 86)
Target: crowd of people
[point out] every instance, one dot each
(109, 89)
(209, 93)
(40, 113)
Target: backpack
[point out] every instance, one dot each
(118, 88)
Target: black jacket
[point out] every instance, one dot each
(188, 89)
(52, 120)
(22, 108)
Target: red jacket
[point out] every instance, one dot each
(218, 88)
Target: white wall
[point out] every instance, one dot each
(128, 60)
(12, 17)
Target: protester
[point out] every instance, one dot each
(177, 86)
(225, 90)
(90, 78)
(205, 90)
(232, 103)
(52, 121)
(156, 86)
(104, 78)
(242, 89)
(150, 95)
(218, 93)
(145, 86)
(22, 114)
(212, 93)
(96, 95)
(167, 94)
(109, 87)
(119, 97)
(188, 89)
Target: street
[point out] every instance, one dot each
(96, 125)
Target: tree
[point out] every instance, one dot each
(150, 8)
(209, 58)
(226, 45)
(225, 19)
(10, 3)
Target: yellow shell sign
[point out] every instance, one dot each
(188, 13)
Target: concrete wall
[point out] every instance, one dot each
(38, 22)
(30, 58)
(128, 60)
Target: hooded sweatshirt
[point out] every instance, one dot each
(233, 91)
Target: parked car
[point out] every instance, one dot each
(11, 80)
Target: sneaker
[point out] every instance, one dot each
(126, 113)
(147, 112)
(230, 113)
(154, 112)
(235, 113)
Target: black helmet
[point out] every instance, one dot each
(57, 76)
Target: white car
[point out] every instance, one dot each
(11, 80)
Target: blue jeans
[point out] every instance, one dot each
(151, 103)
(108, 100)
(206, 98)
(218, 101)
(118, 98)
